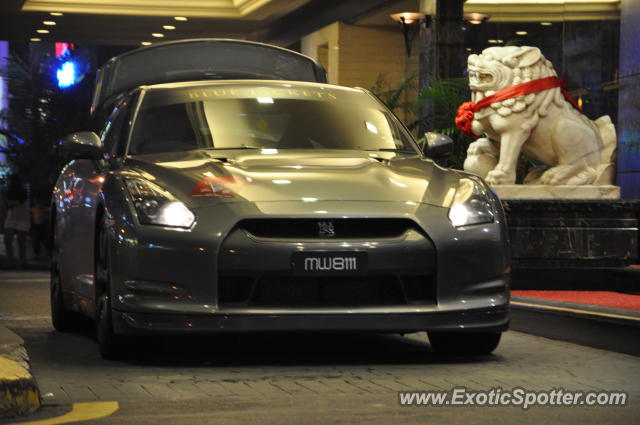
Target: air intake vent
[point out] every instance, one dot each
(298, 292)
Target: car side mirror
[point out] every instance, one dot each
(84, 145)
(437, 145)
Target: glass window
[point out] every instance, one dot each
(114, 130)
(169, 123)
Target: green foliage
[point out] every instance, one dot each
(445, 96)
(395, 97)
(40, 114)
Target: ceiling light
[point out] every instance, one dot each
(180, 18)
(521, 33)
(157, 34)
(35, 39)
(55, 13)
(49, 23)
(496, 41)
(546, 24)
(41, 31)
(168, 27)
(145, 43)
(476, 18)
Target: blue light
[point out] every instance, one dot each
(66, 74)
(20, 140)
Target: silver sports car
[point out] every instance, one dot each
(234, 203)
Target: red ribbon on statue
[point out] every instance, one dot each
(466, 111)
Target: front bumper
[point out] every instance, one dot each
(487, 320)
(168, 282)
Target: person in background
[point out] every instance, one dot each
(18, 220)
(39, 225)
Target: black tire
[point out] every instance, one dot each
(110, 345)
(464, 343)
(63, 320)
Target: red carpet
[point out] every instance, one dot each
(603, 298)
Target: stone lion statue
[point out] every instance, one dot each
(542, 125)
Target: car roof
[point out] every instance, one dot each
(198, 59)
(181, 43)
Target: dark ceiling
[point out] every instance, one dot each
(285, 26)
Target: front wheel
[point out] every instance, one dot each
(110, 345)
(464, 343)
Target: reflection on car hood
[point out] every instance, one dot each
(204, 177)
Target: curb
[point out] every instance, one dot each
(19, 392)
(606, 328)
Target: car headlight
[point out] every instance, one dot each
(470, 204)
(157, 206)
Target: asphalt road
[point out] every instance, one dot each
(299, 378)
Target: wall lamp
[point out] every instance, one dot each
(406, 20)
(476, 18)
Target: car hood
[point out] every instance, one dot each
(205, 177)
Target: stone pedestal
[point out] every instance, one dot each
(519, 191)
(571, 244)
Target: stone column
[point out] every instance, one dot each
(428, 59)
(442, 51)
(628, 129)
(452, 58)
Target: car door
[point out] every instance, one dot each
(82, 182)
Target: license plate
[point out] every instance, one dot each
(341, 263)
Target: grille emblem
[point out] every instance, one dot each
(325, 229)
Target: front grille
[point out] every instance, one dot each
(309, 292)
(343, 228)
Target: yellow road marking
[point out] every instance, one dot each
(574, 310)
(79, 412)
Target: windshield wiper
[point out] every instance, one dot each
(233, 148)
(392, 150)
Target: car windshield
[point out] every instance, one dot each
(265, 118)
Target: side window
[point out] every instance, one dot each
(115, 129)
